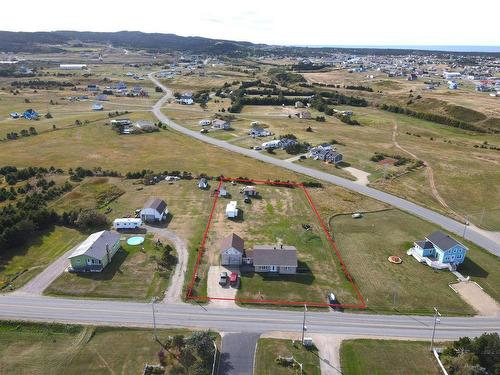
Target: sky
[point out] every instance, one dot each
(324, 22)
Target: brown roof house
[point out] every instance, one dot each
(232, 249)
(280, 259)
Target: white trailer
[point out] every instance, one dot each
(127, 223)
(231, 210)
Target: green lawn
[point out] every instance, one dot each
(387, 357)
(269, 349)
(132, 275)
(19, 265)
(409, 287)
(46, 349)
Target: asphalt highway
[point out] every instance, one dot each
(136, 314)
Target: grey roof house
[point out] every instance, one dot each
(268, 258)
(96, 252)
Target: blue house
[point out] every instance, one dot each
(439, 250)
(30, 114)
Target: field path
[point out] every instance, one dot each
(174, 291)
(429, 173)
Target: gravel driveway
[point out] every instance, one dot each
(174, 291)
(40, 282)
(216, 290)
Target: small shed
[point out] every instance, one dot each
(231, 209)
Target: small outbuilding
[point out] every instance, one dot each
(231, 209)
(203, 183)
(155, 209)
(232, 249)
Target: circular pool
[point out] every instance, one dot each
(135, 241)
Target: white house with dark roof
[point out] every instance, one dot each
(155, 209)
(231, 250)
(439, 250)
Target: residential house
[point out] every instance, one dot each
(275, 143)
(279, 259)
(231, 250)
(96, 252)
(30, 114)
(93, 87)
(186, 98)
(304, 115)
(102, 97)
(146, 125)
(299, 104)
(231, 209)
(97, 107)
(257, 131)
(439, 250)
(203, 183)
(326, 152)
(155, 209)
(121, 122)
(220, 124)
(205, 122)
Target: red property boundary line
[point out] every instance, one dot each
(201, 250)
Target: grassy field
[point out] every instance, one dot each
(19, 265)
(269, 349)
(387, 357)
(278, 217)
(366, 244)
(46, 349)
(132, 274)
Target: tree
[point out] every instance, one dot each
(91, 218)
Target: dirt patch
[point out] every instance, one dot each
(482, 302)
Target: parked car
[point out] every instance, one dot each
(203, 131)
(172, 178)
(223, 278)
(246, 199)
(356, 215)
(257, 148)
(331, 298)
(233, 279)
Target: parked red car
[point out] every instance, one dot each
(233, 279)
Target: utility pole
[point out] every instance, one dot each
(153, 300)
(466, 223)
(437, 315)
(304, 328)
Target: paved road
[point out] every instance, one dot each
(136, 314)
(473, 234)
(237, 353)
(40, 282)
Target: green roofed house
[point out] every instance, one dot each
(96, 252)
